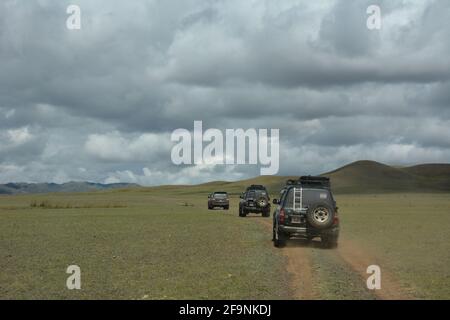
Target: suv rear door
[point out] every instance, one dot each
(310, 197)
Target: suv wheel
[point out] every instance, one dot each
(242, 212)
(330, 242)
(226, 207)
(266, 213)
(279, 240)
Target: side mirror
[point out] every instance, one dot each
(276, 201)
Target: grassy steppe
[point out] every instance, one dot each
(154, 248)
(145, 243)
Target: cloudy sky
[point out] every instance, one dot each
(100, 103)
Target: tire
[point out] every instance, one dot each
(321, 216)
(226, 207)
(266, 213)
(209, 207)
(329, 242)
(262, 202)
(279, 240)
(242, 213)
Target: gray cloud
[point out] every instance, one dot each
(99, 104)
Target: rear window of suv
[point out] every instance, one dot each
(256, 194)
(221, 195)
(310, 196)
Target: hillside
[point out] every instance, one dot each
(371, 176)
(357, 177)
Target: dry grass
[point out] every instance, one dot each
(47, 204)
(157, 247)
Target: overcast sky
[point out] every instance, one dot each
(100, 103)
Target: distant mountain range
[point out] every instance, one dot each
(23, 188)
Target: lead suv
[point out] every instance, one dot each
(306, 210)
(218, 199)
(255, 200)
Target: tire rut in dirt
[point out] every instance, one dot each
(359, 259)
(335, 279)
(336, 274)
(299, 267)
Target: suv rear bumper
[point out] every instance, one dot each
(289, 229)
(219, 203)
(308, 231)
(256, 208)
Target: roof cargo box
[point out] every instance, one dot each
(311, 182)
(256, 187)
(318, 182)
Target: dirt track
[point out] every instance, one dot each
(349, 256)
(359, 259)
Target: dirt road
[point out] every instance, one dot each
(341, 273)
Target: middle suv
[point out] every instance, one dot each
(255, 200)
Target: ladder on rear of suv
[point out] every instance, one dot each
(298, 199)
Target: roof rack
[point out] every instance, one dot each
(291, 182)
(311, 181)
(256, 187)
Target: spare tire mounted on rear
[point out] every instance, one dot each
(262, 202)
(320, 216)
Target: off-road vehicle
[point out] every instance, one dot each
(306, 210)
(255, 200)
(218, 200)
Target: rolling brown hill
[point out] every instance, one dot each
(358, 177)
(371, 176)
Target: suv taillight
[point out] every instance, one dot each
(282, 216)
(336, 220)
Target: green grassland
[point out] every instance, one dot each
(133, 245)
(163, 243)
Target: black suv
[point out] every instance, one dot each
(255, 200)
(218, 199)
(306, 210)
